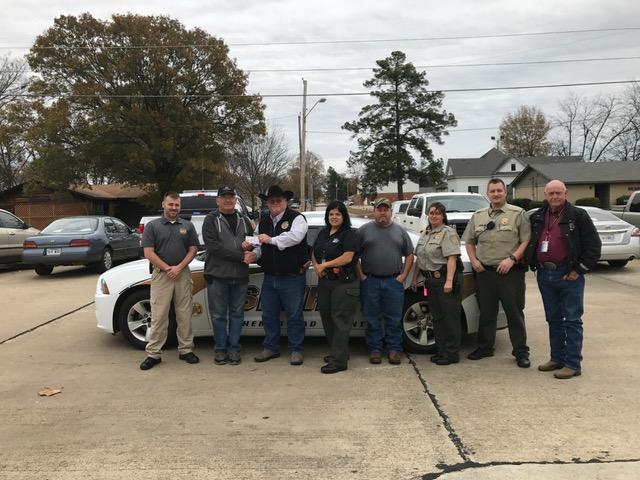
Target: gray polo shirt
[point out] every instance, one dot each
(170, 241)
(382, 248)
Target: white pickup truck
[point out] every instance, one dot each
(460, 206)
(194, 206)
(630, 212)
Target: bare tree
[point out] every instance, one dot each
(604, 128)
(12, 79)
(15, 153)
(314, 173)
(259, 162)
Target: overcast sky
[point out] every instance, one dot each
(263, 21)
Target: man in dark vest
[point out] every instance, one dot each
(283, 255)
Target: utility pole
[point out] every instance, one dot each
(302, 133)
(303, 146)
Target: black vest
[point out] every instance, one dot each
(282, 262)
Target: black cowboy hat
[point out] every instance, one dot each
(276, 191)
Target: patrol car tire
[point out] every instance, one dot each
(133, 316)
(417, 326)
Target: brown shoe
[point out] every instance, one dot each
(549, 366)
(296, 358)
(375, 358)
(394, 358)
(565, 373)
(266, 355)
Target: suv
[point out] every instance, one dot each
(13, 233)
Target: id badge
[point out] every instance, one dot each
(544, 246)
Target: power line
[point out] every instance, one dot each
(335, 94)
(453, 130)
(329, 42)
(450, 65)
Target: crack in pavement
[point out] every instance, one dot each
(45, 323)
(469, 465)
(463, 451)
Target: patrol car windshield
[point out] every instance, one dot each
(456, 203)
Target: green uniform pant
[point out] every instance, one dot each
(338, 302)
(445, 313)
(509, 290)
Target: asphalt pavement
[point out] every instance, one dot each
(486, 419)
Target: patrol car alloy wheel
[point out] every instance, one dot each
(134, 315)
(417, 325)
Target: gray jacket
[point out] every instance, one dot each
(224, 254)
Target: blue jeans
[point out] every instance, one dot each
(382, 299)
(563, 307)
(280, 292)
(226, 304)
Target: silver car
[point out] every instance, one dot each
(620, 240)
(13, 232)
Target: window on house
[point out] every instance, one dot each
(473, 189)
(513, 167)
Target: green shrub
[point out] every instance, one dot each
(588, 202)
(537, 203)
(524, 203)
(622, 200)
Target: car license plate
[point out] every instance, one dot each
(607, 238)
(52, 251)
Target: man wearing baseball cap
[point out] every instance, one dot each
(283, 254)
(383, 244)
(226, 269)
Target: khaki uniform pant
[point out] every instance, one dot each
(163, 291)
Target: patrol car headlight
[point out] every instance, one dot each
(104, 288)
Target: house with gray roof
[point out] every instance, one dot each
(472, 174)
(604, 180)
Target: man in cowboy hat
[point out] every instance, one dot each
(283, 254)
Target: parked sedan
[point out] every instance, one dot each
(13, 232)
(97, 241)
(123, 302)
(620, 240)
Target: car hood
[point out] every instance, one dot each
(124, 276)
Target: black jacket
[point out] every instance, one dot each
(583, 239)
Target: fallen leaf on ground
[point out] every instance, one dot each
(48, 391)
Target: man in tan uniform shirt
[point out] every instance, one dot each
(496, 238)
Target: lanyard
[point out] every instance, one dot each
(551, 222)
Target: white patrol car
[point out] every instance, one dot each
(122, 302)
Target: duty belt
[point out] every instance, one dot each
(435, 273)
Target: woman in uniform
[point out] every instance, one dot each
(437, 252)
(334, 259)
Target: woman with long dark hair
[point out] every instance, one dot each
(334, 258)
(437, 252)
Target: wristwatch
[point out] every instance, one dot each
(515, 260)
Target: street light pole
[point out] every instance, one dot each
(302, 127)
(303, 147)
